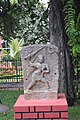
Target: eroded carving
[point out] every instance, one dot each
(40, 69)
(38, 74)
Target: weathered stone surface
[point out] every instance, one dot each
(3, 108)
(40, 69)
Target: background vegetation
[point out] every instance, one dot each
(28, 20)
(72, 28)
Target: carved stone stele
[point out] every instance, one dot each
(40, 70)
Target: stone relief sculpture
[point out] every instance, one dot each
(38, 74)
(40, 70)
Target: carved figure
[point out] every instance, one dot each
(41, 68)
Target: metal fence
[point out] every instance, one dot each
(10, 71)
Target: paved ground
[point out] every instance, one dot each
(11, 86)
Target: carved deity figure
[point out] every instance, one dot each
(40, 68)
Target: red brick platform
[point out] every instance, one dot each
(41, 109)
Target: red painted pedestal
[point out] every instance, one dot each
(41, 109)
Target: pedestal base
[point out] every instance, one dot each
(45, 95)
(41, 109)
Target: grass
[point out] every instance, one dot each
(11, 97)
(74, 113)
(9, 100)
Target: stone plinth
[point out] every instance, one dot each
(41, 109)
(40, 70)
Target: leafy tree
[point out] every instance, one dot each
(73, 31)
(34, 25)
(8, 22)
(27, 20)
(58, 37)
(31, 25)
(72, 26)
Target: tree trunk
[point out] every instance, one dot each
(77, 3)
(58, 38)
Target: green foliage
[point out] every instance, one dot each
(15, 47)
(33, 22)
(72, 27)
(13, 1)
(74, 112)
(9, 100)
(26, 20)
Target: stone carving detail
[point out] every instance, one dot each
(38, 74)
(40, 69)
